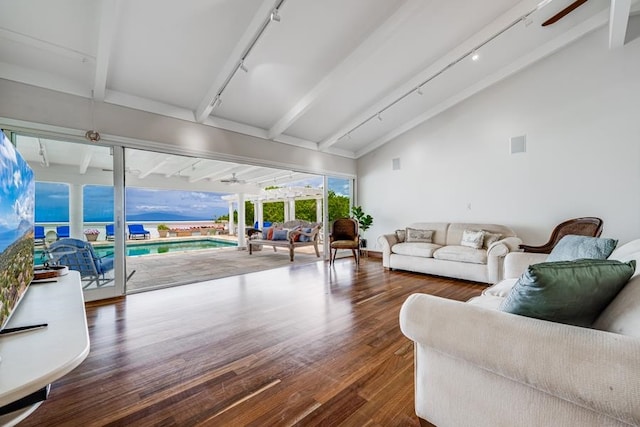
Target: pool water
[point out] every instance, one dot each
(139, 249)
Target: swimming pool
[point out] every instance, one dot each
(140, 249)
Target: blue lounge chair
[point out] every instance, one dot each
(38, 235)
(79, 255)
(137, 230)
(62, 231)
(110, 232)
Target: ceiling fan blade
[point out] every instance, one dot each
(564, 12)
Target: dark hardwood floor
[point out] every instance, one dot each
(305, 345)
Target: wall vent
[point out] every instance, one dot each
(395, 164)
(518, 144)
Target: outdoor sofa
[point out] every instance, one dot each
(291, 234)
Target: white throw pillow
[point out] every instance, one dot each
(418, 235)
(401, 235)
(472, 239)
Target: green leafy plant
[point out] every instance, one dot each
(364, 220)
(163, 227)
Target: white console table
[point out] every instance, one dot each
(31, 360)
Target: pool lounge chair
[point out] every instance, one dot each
(38, 235)
(137, 230)
(62, 231)
(79, 255)
(110, 232)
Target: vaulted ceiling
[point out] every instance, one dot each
(342, 76)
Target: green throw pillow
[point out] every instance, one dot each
(572, 247)
(573, 292)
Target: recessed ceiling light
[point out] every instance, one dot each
(475, 56)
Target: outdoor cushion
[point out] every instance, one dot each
(304, 238)
(280, 234)
(572, 292)
(420, 249)
(462, 254)
(266, 231)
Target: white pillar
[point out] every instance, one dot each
(241, 222)
(76, 222)
(285, 206)
(292, 209)
(231, 226)
(256, 213)
(260, 214)
(318, 210)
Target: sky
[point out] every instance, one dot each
(16, 194)
(146, 204)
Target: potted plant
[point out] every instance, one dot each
(364, 221)
(163, 230)
(91, 234)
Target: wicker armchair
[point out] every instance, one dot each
(586, 226)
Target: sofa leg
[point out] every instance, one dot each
(291, 254)
(250, 249)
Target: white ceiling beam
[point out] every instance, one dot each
(46, 46)
(349, 65)
(43, 79)
(521, 63)
(185, 163)
(206, 104)
(504, 20)
(618, 21)
(85, 161)
(108, 25)
(218, 172)
(145, 173)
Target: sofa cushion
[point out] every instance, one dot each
(622, 315)
(266, 231)
(472, 238)
(418, 235)
(572, 247)
(572, 292)
(419, 249)
(461, 254)
(487, 301)
(500, 289)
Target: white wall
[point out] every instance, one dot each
(580, 112)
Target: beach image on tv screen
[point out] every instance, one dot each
(17, 198)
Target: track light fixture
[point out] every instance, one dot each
(273, 16)
(216, 102)
(472, 53)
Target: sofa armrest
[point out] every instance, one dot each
(516, 263)
(591, 368)
(386, 241)
(495, 256)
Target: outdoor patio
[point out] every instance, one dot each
(180, 268)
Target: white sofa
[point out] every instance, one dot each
(478, 366)
(445, 256)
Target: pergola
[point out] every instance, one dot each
(288, 195)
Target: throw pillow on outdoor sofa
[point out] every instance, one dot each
(280, 234)
(572, 292)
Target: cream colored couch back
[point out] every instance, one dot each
(451, 233)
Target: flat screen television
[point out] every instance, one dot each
(17, 202)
